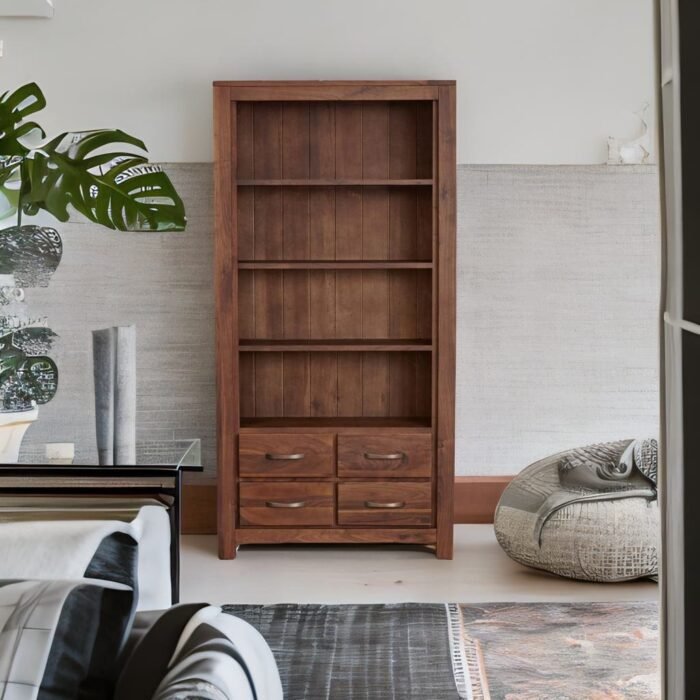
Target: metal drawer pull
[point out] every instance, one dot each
(281, 504)
(390, 504)
(390, 455)
(295, 455)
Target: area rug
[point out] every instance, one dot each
(357, 652)
(544, 651)
(502, 651)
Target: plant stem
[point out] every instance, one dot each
(22, 175)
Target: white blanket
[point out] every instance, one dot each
(63, 549)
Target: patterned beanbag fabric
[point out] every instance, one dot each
(591, 513)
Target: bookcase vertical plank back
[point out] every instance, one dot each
(322, 146)
(335, 287)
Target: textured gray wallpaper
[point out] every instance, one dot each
(557, 314)
(558, 296)
(162, 283)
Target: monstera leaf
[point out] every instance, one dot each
(33, 341)
(27, 376)
(14, 108)
(40, 378)
(15, 144)
(119, 190)
(115, 188)
(27, 380)
(10, 185)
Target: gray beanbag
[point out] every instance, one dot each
(590, 514)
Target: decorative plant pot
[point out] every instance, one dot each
(13, 426)
(30, 253)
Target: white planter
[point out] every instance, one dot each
(13, 426)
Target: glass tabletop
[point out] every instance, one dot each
(183, 454)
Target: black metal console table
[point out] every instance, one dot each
(162, 482)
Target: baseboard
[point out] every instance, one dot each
(475, 502)
(199, 508)
(476, 497)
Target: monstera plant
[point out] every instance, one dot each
(103, 175)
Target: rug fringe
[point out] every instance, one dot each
(457, 652)
(467, 661)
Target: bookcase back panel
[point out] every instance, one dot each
(335, 223)
(334, 140)
(335, 384)
(329, 304)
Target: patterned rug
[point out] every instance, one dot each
(543, 651)
(500, 651)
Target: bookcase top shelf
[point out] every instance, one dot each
(324, 83)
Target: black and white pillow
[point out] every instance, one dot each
(197, 652)
(115, 559)
(60, 640)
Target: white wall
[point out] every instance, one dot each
(540, 81)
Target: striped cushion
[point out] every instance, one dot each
(60, 639)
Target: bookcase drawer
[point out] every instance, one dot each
(289, 454)
(385, 504)
(286, 504)
(384, 455)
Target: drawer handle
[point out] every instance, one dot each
(390, 504)
(389, 455)
(283, 504)
(295, 455)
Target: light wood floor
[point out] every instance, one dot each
(480, 572)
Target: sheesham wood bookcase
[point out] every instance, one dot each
(335, 312)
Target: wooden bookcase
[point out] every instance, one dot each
(335, 316)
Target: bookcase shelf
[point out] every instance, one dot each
(335, 265)
(349, 424)
(365, 345)
(335, 280)
(335, 182)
